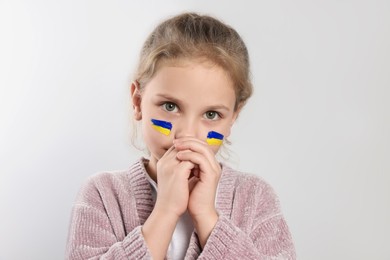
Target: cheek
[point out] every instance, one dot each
(155, 141)
(215, 136)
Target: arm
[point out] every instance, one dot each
(253, 228)
(158, 235)
(271, 240)
(171, 202)
(256, 228)
(94, 231)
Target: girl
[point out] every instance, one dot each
(181, 203)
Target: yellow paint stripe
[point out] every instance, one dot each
(162, 130)
(214, 141)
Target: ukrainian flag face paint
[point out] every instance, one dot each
(163, 127)
(214, 138)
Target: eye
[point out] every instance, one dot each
(170, 107)
(212, 115)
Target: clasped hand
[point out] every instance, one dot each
(187, 176)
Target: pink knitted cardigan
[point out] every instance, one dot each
(112, 206)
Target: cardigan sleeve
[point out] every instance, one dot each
(265, 234)
(93, 230)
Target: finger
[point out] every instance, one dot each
(188, 138)
(168, 161)
(199, 147)
(170, 150)
(186, 168)
(198, 159)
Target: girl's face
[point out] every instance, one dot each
(196, 97)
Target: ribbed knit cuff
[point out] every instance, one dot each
(134, 245)
(221, 239)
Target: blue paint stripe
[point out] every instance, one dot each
(215, 135)
(161, 123)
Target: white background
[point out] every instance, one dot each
(317, 128)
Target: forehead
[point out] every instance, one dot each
(192, 79)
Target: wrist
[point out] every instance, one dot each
(202, 218)
(204, 225)
(168, 215)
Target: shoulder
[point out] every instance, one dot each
(252, 195)
(104, 184)
(247, 182)
(250, 189)
(99, 185)
(106, 180)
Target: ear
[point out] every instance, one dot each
(136, 100)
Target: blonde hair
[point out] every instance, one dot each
(191, 35)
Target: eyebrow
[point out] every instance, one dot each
(177, 101)
(218, 107)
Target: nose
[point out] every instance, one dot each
(186, 128)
